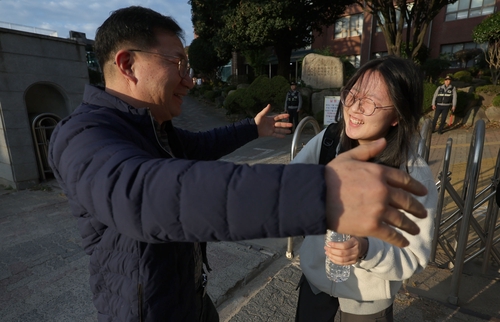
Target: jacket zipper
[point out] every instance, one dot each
(139, 291)
(156, 134)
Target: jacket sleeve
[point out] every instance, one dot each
(113, 178)
(216, 143)
(393, 263)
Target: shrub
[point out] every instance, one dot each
(254, 98)
(496, 101)
(434, 67)
(209, 95)
(463, 76)
(489, 89)
(231, 103)
(279, 87)
(429, 90)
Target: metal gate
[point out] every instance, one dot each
(42, 126)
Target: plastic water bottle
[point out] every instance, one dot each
(334, 272)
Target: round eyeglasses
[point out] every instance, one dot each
(366, 105)
(182, 63)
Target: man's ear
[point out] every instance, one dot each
(124, 62)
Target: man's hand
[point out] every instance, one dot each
(272, 125)
(433, 107)
(453, 109)
(364, 198)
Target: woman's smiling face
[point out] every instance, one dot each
(365, 128)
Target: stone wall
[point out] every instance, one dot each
(38, 74)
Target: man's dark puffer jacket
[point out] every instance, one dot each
(139, 210)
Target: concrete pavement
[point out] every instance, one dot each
(44, 276)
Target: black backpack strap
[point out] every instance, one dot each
(331, 140)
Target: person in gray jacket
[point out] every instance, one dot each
(147, 193)
(444, 97)
(383, 99)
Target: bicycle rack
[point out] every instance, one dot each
(424, 143)
(462, 218)
(293, 152)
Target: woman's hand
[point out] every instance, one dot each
(348, 252)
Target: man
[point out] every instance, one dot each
(444, 97)
(146, 193)
(293, 104)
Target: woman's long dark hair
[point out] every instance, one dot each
(404, 82)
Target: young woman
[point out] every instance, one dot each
(382, 100)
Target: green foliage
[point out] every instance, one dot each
(496, 101)
(251, 100)
(489, 89)
(429, 89)
(210, 95)
(325, 51)
(420, 57)
(232, 101)
(349, 70)
(279, 87)
(463, 76)
(257, 59)
(434, 67)
(246, 25)
(203, 57)
(488, 30)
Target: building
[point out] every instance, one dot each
(357, 37)
(42, 78)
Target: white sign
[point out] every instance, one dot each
(331, 107)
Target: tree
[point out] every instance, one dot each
(255, 24)
(207, 17)
(488, 31)
(203, 58)
(416, 17)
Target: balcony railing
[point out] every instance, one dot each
(35, 30)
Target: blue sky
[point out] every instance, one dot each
(85, 15)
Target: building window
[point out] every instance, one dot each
(409, 7)
(349, 26)
(379, 54)
(462, 55)
(355, 60)
(463, 9)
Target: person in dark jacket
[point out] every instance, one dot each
(293, 104)
(146, 193)
(444, 97)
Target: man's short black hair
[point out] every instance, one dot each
(135, 25)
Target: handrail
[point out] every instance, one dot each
(293, 152)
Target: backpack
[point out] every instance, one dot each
(331, 140)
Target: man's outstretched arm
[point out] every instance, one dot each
(364, 198)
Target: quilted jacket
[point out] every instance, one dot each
(139, 210)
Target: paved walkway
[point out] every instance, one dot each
(44, 275)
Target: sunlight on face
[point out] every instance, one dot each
(364, 128)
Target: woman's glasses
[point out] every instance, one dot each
(366, 106)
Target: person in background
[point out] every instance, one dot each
(383, 99)
(147, 193)
(293, 104)
(444, 97)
